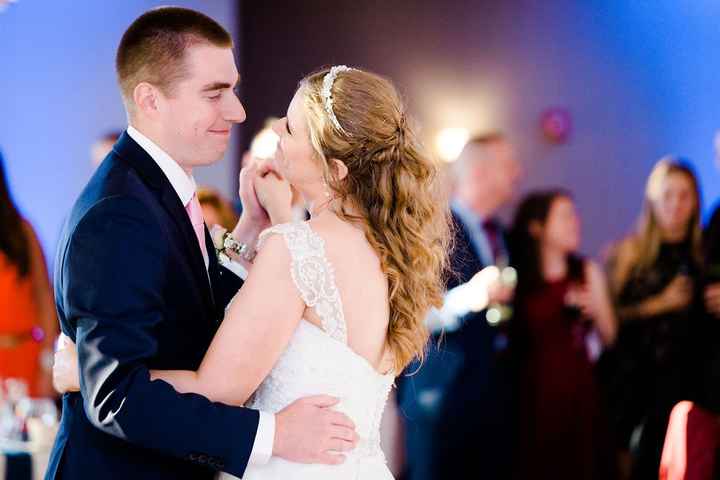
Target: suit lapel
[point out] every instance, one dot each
(151, 173)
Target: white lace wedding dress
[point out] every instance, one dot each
(319, 361)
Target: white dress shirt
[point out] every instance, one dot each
(185, 187)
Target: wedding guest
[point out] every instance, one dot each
(709, 386)
(711, 243)
(28, 325)
(654, 277)
(712, 264)
(563, 316)
(463, 387)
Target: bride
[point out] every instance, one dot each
(334, 305)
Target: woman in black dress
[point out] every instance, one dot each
(654, 278)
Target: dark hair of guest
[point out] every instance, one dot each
(525, 248)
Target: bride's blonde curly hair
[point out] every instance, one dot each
(393, 190)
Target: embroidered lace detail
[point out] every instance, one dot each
(313, 275)
(319, 361)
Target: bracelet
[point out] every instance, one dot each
(242, 250)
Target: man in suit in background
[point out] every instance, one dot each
(456, 406)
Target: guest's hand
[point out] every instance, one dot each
(499, 292)
(592, 298)
(712, 299)
(308, 431)
(581, 298)
(275, 196)
(677, 295)
(486, 287)
(66, 372)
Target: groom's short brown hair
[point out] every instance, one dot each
(153, 48)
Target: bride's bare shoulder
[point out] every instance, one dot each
(334, 229)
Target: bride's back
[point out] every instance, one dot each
(348, 149)
(338, 276)
(362, 285)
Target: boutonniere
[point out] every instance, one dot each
(218, 235)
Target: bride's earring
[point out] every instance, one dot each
(327, 189)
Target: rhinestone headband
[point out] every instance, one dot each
(326, 93)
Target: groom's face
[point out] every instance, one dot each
(203, 107)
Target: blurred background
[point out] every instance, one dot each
(637, 80)
(590, 95)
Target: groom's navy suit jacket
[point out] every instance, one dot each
(132, 291)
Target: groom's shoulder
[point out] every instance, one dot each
(114, 177)
(113, 190)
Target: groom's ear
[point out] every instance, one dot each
(339, 168)
(146, 98)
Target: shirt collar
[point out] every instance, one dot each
(183, 184)
(467, 215)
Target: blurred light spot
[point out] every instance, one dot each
(264, 144)
(509, 277)
(450, 142)
(493, 316)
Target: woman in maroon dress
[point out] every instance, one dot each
(563, 318)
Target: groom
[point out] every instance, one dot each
(138, 285)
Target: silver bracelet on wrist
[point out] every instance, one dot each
(242, 250)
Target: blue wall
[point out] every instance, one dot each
(58, 94)
(640, 79)
(676, 47)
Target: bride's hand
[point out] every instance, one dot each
(252, 210)
(275, 196)
(66, 373)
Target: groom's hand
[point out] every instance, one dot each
(308, 431)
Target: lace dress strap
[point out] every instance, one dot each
(312, 274)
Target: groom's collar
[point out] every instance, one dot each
(183, 184)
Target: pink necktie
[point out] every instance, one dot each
(196, 218)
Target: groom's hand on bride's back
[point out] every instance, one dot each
(308, 431)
